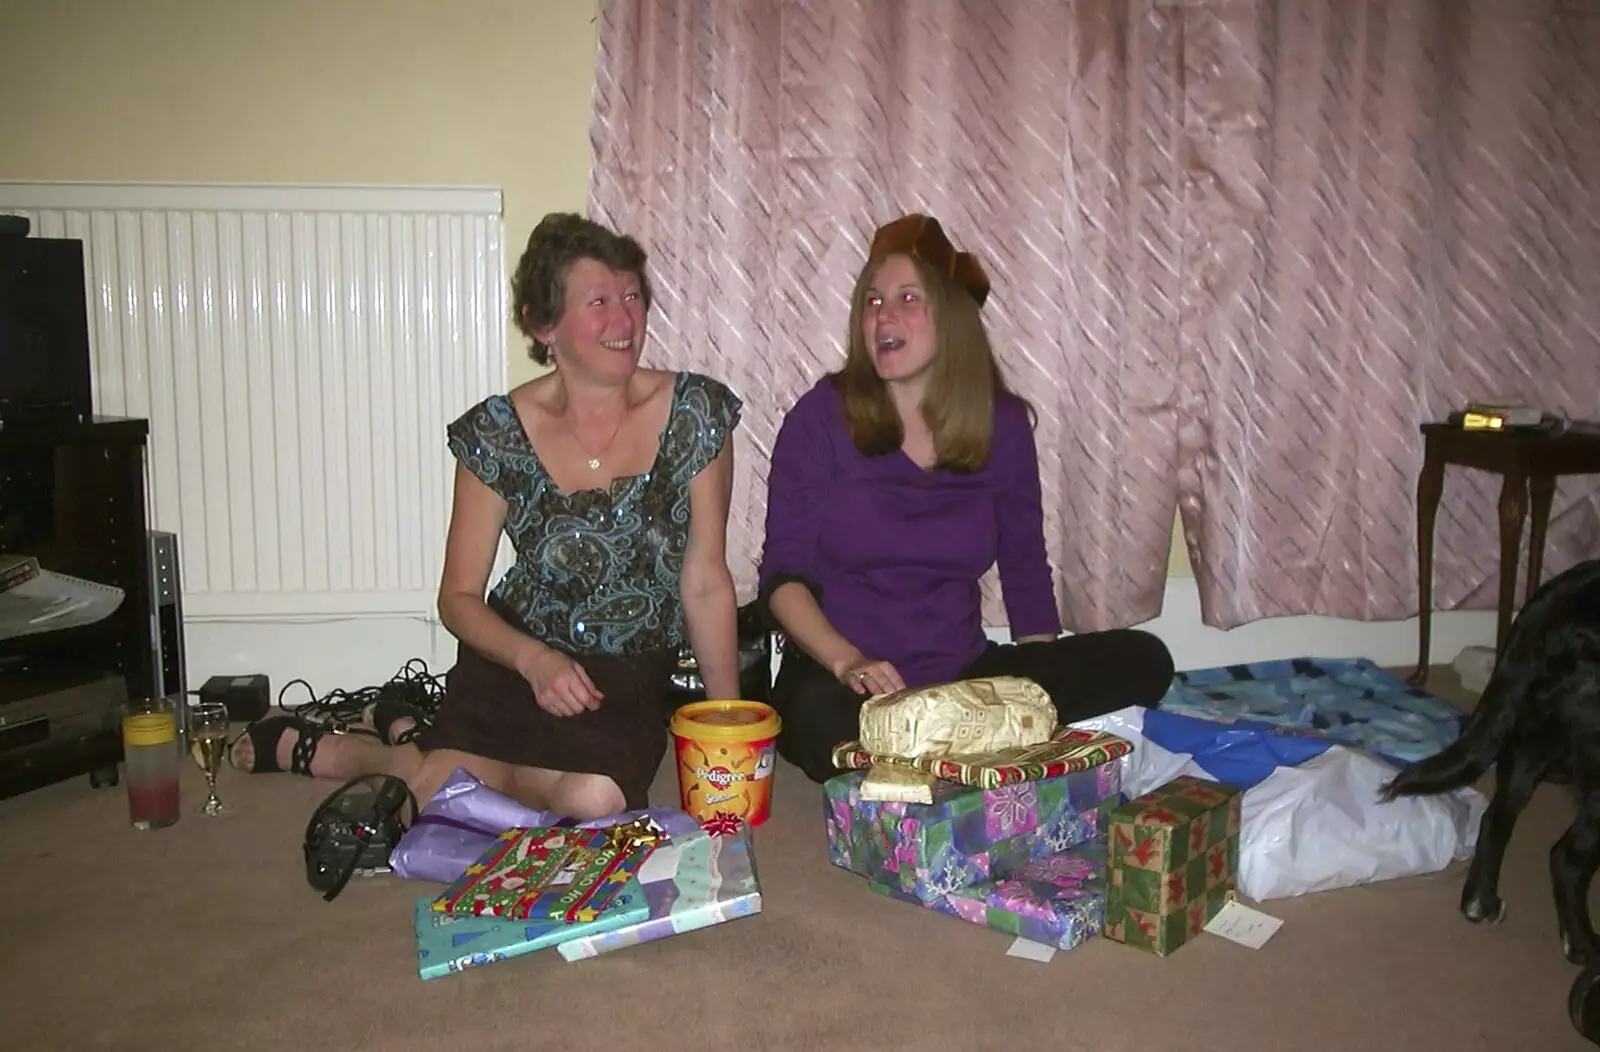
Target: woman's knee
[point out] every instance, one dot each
(586, 796)
(1148, 663)
(818, 714)
(434, 768)
(810, 753)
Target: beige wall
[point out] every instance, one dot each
(482, 92)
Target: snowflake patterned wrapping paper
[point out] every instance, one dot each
(715, 882)
(1174, 860)
(566, 875)
(967, 835)
(452, 942)
(1058, 900)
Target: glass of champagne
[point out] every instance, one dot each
(208, 740)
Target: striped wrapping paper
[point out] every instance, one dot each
(1069, 750)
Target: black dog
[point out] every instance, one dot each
(1538, 721)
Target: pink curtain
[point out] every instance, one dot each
(1241, 249)
(1392, 210)
(754, 147)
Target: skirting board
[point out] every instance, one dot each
(359, 652)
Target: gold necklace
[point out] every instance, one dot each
(594, 458)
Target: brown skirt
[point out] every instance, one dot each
(489, 710)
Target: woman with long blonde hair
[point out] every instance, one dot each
(896, 483)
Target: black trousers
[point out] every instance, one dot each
(1085, 675)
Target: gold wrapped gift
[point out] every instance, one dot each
(965, 717)
(889, 782)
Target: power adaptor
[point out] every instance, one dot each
(247, 698)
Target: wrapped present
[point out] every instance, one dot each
(966, 716)
(1058, 900)
(891, 782)
(715, 881)
(971, 716)
(452, 942)
(1066, 751)
(461, 821)
(1174, 859)
(565, 875)
(967, 835)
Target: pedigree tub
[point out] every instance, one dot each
(726, 754)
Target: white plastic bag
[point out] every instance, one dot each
(1318, 825)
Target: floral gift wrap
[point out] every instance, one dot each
(1058, 900)
(1173, 864)
(967, 835)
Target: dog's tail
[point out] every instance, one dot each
(1465, 760)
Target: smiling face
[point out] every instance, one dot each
(601, 330)
(897, 323)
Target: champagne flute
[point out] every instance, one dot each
(208, 740)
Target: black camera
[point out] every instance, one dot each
(355, 829)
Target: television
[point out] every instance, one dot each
(44, 330)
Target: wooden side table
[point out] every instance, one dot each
(1530, 462)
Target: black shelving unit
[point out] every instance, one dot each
(73, 494)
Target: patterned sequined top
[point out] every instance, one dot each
(597, 570)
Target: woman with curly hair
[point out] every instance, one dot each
(612, 482)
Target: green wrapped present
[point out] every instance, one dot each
(1174, 860)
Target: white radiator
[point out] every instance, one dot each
(298, 351)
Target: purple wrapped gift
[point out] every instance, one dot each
(465, 816)
(967, 835)
(1059, 900)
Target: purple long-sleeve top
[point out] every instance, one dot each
(895, 552)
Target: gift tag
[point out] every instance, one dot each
(1238, 923)
(661, 865)
(1029, 950)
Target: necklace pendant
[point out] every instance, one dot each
(594, 463)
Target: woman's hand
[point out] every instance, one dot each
(560, 685)
(866, 676)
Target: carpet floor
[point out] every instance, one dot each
(205, 936)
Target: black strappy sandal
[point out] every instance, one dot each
(384, 714)
(264, 735)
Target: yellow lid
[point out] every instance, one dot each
(726, 721)
(149, 728)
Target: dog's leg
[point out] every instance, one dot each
(1516, 776)
(1572, 865)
